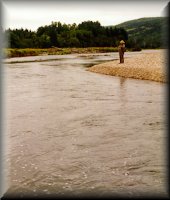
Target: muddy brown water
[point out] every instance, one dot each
(74, 132)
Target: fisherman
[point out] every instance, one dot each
(121, 49)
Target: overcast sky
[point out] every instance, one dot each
(33, 14)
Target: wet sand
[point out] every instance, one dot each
(146, 66)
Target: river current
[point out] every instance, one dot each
(71, 132)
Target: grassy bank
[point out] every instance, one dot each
(10, 53)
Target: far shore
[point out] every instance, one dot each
(145, 66)
(12, 53)
(27, 52)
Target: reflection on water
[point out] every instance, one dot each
(73, 132)
(122, 81)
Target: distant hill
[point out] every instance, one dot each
(146, 32)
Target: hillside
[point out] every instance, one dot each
(146, 32)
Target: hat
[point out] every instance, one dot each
(122, 42)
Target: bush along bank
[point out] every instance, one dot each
(10, 52)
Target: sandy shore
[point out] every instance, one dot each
(145, 66)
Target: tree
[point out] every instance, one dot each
(86, 34)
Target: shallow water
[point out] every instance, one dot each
(74, 132)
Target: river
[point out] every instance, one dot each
(77, 133)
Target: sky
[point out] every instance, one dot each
(33, 14)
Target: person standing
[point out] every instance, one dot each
(121, 49)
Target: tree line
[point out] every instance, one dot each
(85, 34)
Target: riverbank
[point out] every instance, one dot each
(10, 53)
(17, 52)
(145, 66)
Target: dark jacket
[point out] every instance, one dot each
(121, 49)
